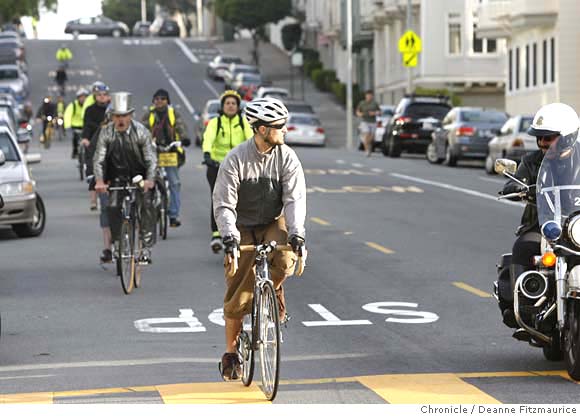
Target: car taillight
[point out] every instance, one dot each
(518, 143)
(403, 120)
(465, 131)
(291, 128)
(319, 130)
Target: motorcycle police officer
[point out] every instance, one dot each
(552, 122)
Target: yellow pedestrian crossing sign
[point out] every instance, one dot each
(410, 59)
(410, 42)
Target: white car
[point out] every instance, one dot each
(274, 92)
(512, 142)
(305, 129)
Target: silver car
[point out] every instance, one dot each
(23, 208)
(512, 142)
(305, 129)
(12, 76)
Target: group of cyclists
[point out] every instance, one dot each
(257, 184)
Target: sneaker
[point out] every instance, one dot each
(230, 366)
(216, 244)
(145, 257)
(106, 256)
(93, 206)
(174, 222)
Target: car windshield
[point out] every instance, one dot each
(8, 148)
(8, 74)
(423, 110)
(483, 116)
(526, 123)
(300, 108)
(304, 120)
(213, 107)
(387, 112)
(247, 71)
(255, 79)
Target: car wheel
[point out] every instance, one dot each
(450, 158)
(116, 33)
(34, 228)
(394, 148)
(431, 154)
(385, 148)
(489, 165)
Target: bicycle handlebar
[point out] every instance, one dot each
(233, 260)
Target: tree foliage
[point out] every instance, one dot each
(10, 9)
(186, 6)
(291, 35)
(128, 11)
(252, 14)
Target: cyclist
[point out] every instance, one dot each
(124, 150)
(64, 55)
(47, 108)
(166, 125)
(221, 135)
(73, 119)
(259, 180)
(61, 78)
(96, 88)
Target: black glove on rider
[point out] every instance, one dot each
(207, 160)
(230, 244)
(297, 243)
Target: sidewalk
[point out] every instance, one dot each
(275, 66)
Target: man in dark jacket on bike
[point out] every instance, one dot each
(125, 150)
(47, 108)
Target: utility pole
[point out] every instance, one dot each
(409, 75)
(199, 18)
(349, 144)
(143, 10)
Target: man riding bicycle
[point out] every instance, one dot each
(47, 108)
(125, 150)
(166, 126)
(73, 119)
(64, 55)
(259, 196)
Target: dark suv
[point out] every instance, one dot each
(415, 119)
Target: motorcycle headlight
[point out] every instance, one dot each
(574, 230)
(16, 188)
(551, 230)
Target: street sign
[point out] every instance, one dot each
(410, 42)
(410, 59)
(297, 59)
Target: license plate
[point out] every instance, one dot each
(167, 159)
(428, 126)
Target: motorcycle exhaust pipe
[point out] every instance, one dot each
(533, 284)
(534, 290)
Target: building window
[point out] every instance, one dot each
(454, 33)
(477, 42)
(510, 70)
(534, 64)
(483, 45)
(527, 66)
(552, 60)
(517, 69)
(545, 61)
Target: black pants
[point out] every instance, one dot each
(147, 223)
(76, 136)
(525, 248)
(211, 175)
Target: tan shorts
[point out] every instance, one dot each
(240, 288)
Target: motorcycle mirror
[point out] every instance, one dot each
(505, 166)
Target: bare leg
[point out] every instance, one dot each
(368, 143)
(233, 328)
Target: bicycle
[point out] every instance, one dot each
(48, 132)
(264, 335)
(166, 158)
(127, 255)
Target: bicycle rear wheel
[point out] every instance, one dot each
(125, 263)
(269, 330)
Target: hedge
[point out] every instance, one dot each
(323, 79)
(310, 66)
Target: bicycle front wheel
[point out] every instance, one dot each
(163, 216)
(136, 257)
(269, 332)
(48, 133)
(125, 263)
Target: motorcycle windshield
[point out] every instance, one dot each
(558, 185)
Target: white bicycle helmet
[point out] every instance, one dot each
(82, 91)
(265, 111)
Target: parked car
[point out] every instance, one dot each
(100, 26)
(298, 107)
(274, 92)
(210, 110)
(23, 207)
(465, 134)
(512, 142)
(164, 27)
(235, 69)
(218, 66)
(305, 129)
(416, 117)
(141, 29)
(11, 75)
(11, 51)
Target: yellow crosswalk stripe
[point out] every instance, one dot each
(425, 388)
(211, 393)
(29, 398)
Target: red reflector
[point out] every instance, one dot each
(319, 130)
(465, 131)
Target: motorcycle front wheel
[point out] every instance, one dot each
(572, 338)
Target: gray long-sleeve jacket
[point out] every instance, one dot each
(137, 151)
(255, 189)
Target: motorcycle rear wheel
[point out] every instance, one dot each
(572, 338)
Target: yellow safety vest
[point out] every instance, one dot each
(170, 114)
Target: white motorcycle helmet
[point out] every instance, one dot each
(556, 119)
(264, 111)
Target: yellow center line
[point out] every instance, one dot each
(319, 221)
(472, 289)
(379, 248)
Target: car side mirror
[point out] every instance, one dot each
(505, 166)
(2, 158)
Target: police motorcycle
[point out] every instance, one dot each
(546, 300)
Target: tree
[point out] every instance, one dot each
(10, 9)
(186, 6)
(291, 35)
(252, 15)
(128, 11)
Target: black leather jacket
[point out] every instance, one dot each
(528, 173)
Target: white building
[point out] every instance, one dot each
(543, 40)
(452, 56)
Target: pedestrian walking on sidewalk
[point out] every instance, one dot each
(368, 109)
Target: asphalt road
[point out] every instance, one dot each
(394, 306)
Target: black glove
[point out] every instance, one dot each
(207, 160)
(297, 243)
(231, 245)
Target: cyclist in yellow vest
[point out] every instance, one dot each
(221, 135)
(64, 55)
(166, 126)
(73, 119)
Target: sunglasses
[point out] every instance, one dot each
(276, 126)
(547, 138)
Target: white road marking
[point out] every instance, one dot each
(456, 189)
(19, 377)
(211, 88)
(186, 323)
(357, 165)
(186, 51)
(377, 170)
(177, 89)
(340, 162)
(331, 319)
